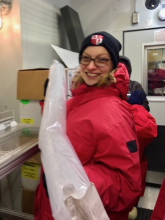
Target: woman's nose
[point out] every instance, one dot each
(91, 65)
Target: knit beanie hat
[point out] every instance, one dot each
(126, 61)
(104, 39)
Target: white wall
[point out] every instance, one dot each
(25, 42)
(122, 14)
(27, 45)
(115, 16)
(61, 3)
(10, 59)
(94, 15)
(41, 26)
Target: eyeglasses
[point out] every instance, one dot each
(99, 61)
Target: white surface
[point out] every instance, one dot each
(61, 3)
(10, 59)
(13, 124)
(157, 111)
(26, 38)
(69, 58)
(41, 26)
(2, 127)
(113, 16)
(132, 48)
(149, 199)
(155, 177)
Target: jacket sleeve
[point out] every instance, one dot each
(145, 126)
(116, 169)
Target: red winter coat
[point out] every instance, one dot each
(101, 129)
(42, 209)
(146, 129)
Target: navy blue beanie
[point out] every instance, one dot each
(104, 39)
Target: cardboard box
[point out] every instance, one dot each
(35, 159)
(28, 201)
(30, 84)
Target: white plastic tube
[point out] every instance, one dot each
(62, 167)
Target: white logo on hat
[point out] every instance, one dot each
(96, 39)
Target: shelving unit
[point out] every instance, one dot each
(17, 145)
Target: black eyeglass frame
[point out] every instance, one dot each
(94, 60)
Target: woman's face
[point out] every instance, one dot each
(91, 73)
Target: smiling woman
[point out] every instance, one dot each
(101, 127)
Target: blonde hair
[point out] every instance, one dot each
(105, 80)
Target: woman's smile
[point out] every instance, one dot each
(92, 74)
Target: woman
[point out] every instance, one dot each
(101, 128)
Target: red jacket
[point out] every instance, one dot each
(146, 129)
(145, 125)
(101, 129)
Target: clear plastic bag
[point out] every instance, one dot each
(64, 172)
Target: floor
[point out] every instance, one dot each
(146, 203)
(143, 214)
(149, 199)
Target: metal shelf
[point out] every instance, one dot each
(7, 213)
(16, 146)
